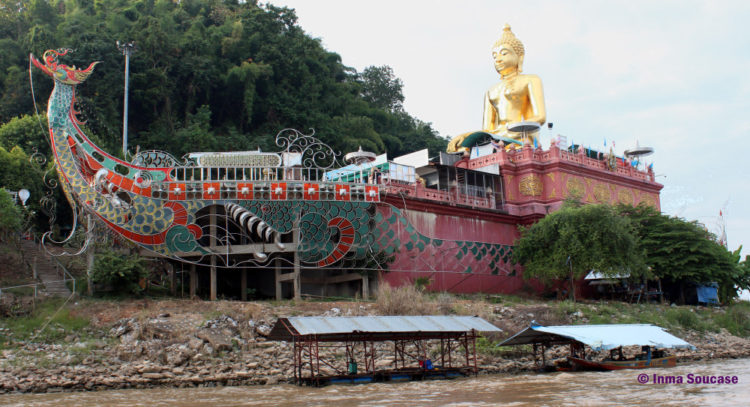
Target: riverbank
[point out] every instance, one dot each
(93, 344)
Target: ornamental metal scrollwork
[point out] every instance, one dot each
(47, 203)
(315, 153)
(154, 159)
(143, 179)
(38, 159)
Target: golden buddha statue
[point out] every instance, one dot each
(515, 99)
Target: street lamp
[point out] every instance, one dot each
(127, 49)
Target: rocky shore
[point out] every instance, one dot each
(142, 344)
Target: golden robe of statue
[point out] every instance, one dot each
(516, 98)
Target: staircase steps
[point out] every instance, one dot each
(46, 269)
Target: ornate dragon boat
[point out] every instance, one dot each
(447, 223)
(298, 208)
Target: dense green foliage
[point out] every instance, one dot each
(682, 252)
(123, 273)
(24, 132)
(19, 173)
(639, 241)
(735, 318)
(206, 75)
(577, 239)
(10, 216)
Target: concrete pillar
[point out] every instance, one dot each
(243, 284)
(172, 284)
(213, 278)
(365, 287)
(213, 242)
(193, 281)
(297, 278)
(277, 276)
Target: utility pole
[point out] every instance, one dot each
(127, 49)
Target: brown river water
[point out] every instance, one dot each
(620, 388)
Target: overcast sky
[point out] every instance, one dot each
(672, 75)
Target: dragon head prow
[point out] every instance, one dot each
(59, 72)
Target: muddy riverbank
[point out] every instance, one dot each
(181, 343)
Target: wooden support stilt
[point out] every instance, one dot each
(243, 284)
(213, 242)
(193, 281)
(277, 280)
(172, 282)
(213, 278)
(365, 287)
(297, 278)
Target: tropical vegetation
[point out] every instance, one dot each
(206, 75)
(638, 242)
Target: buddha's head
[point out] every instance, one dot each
(508, 53)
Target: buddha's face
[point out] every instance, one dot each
(506, 60)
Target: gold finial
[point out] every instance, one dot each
(508, 38)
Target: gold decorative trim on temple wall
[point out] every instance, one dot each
(601, 193)
(552, 193)
(625, 196)
(575, 187)
(530, 185)
(509, 184)
(649, 200)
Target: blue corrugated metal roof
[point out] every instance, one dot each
(379, 325)
(601, 337)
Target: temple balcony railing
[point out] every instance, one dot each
(298, 183)
(417, 190)
(259, 183)
(555, 154)
(246, 174)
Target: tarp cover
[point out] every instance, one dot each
(322, 326)
(600, 337)
(707, 294)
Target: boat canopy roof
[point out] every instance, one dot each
(598, 275)
(377, 327)
(599, 337)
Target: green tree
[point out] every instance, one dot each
(206, 75)
(122, 272)
(26, 133)
(252, 64)
(738, 277)
(381, 88)
(18, 172)
(576, 239)
(683, 252)
(11, 219)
